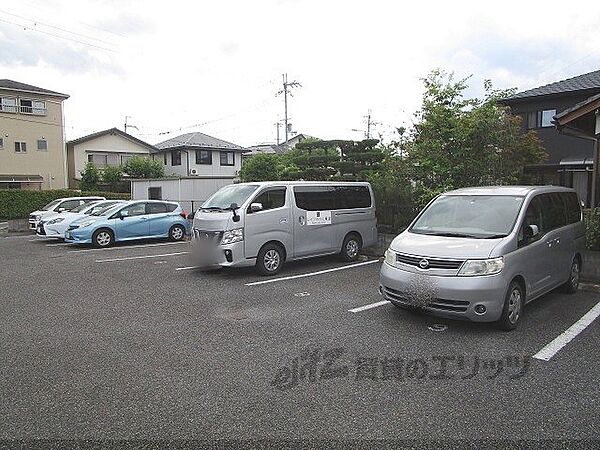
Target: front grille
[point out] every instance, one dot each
(440, 304)
(432, 263)
(208, 236)
(32, 217)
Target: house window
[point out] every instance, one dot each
(203, 157)
(98, 160)
(8, 104)
(42, 145)
(155, 193)
(125, 158)
(20, 147)
(165, 158)
(546, 118)
(1, 143)
(227, 159)
(26, 106)
(176, 158)
(531, 120)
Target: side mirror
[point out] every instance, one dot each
(255, 207)
(61, 210)
(123, 214)
(234, 207)
(531, 231)
(191, 216)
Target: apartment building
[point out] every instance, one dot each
(32, 143)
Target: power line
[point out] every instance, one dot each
(35, 22)
(57, 36)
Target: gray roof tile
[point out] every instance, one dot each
(586, 82)
(15, 85)
(199, 140)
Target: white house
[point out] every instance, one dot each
(198, 154)
(111, 147)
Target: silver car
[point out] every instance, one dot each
(265, 224)
(483, 253)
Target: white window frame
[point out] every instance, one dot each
(4, 107)
(22, 144)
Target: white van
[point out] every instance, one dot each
(266, 224)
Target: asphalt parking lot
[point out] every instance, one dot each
(130, 342)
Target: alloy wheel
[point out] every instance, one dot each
(272, 260)
(514, 306)
(103, 238)
(352, 248)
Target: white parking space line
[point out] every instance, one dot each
(126, 247)
(128, 258)
(62, 244)
(571, 333)
(188, 268)
(293, 277)
(372, 305)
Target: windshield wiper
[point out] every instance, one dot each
(212, 208)
(451, 234)
(494, 236)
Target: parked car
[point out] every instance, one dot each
(55, 225)
(266, 224)
(135, 220)
(58, 205)
(483, 253)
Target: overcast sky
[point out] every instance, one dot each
(215, 67)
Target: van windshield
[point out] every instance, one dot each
(471, 216)
(51, 205)
(224, 197)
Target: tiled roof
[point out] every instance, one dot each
(199, 140)
(585, 82)
(17, 86)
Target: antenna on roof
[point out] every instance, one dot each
(126, 125)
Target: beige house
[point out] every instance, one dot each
(32, 144)
(111, 147)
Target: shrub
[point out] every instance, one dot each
(112, 175)
(139, 167)
(261, 167)
(17, 204)
(592, 229)
(90, 176)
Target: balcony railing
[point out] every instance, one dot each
(37, 111)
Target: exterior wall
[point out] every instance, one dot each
(105, 144)
(28, 128)
(190, 192)
(204, 170)
(558, 146)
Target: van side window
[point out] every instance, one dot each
(350, 197)
(314, 198)
(573, 207)
(270, 199)
(553, 211)
(533, 216)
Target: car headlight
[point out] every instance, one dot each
(57, 220)
(475, 267)
(38, 218)
(231, 236)
(390, 257)
(86, 223)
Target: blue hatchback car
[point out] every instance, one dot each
(145, 219)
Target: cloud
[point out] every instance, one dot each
(125, 24)
(25, 47)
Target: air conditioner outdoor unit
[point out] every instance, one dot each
(194, 172)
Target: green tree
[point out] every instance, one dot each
(140, 167)
(261, 167)
(112, 175)
(90, 176)
(458, 142)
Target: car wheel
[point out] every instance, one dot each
(103, 238)
(513, 307)
(351, 247)
(571, 286)
(177, 233)
(269, 260)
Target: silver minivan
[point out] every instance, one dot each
(265, 224)
(482, 253)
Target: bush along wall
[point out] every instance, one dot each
(592, 229)
(17, 204)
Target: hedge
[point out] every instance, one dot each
(592, 229)
(17, 204)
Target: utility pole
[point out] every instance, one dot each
(278, 124)
(370, 123)
(287, 86)
(126, 125)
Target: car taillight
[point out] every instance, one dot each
(183, 214)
